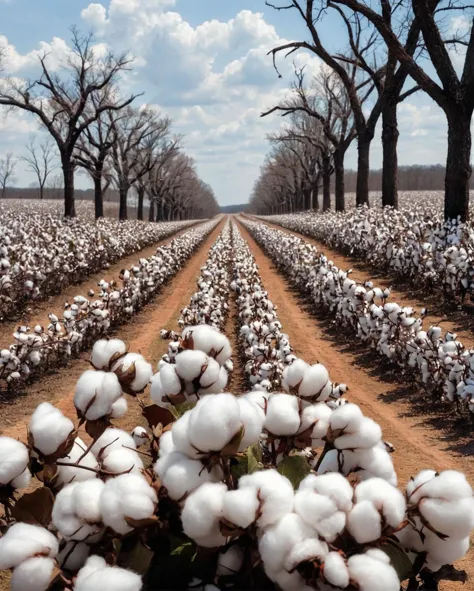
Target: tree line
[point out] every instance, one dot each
(392, 50)
(95, 128)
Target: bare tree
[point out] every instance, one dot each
(55, 186)
(63, 101)
(40, 160)
(7, 171)
(453, 93)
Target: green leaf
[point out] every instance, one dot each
(140, 558)
(186, 549)
(247, 463)
(398, 558)
(182, 408)
(295, 468)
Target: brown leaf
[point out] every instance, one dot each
(232, 448)
(141, 522)
(127, 376)
(55, 578)
(35, 508)
(155, 415)
(176, 399)
(96, 428)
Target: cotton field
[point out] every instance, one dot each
(198, 428)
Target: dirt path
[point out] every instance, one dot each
(417, 444)
(37, 313)
(142, 335)
(460, 322)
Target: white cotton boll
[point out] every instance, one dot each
(72, 473)
(335, 570)
(293, 374)
(283, 415)
(121, 460)
(371, 574)
(230, 562)
(317, 415)
(157, 392)
(170, 381)
(203, 509)
(73, 556)
(33, 574)
(128, 495)
(444, 552)
(416, 481)
(346, 418)
(95, 575)
(23, 541)
(111, 439)
(275, 491)
(252, 420)
(166, 443)
(138, 368)
(368, 434)
(449, 485)
(190, 364)
(119, 408)
(180, 433)
(332, 485)
(22, 480)
(140, 436)
(210, 378)
(96, 391)
(13, 460)
(260, 399)
(103, 351)
(314, 382)
(49, 428)
(213, 422)
(289, 581)
(363, 522)
(379, 555)
(240, 506)
(455, 518)
(387, 499)
(303, 551)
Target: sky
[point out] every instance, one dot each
(204, 63)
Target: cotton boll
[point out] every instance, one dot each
(120, 460)
(260, 399)
(49, 428)
(119, 408)
(96, 392)
(454, 519)
(111, 439)
(335, 570)
(13, 460)
(202, 511)
(449, 484)
(34, 574)
(23, 541)
(180, 434)
(283, 415)
(210, 377)
(22, 480)
(103, 351)
(367, 434)
(128, 495)
(315, 381)
(73, 473)
(332, 485)
(346, 418)
(252, 420)
(319, 416)
(190, 364)
(310, 548)
(363, 522)
(230, 562)
(213, 422)
(95, 575)
(140, 436)
(371, 574)
(170, 382)
(133, 371)
(241, 506)
(294, 374)
(166, 443)
(73, 556)
(441, 552)
(157, 392)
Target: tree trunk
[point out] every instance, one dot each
(326, 183)
(123, 211)
(141, 197)
(390, 159)
(315, 197)
(339, 180)
(68, 174)
(151, 211)
(41, 192)
(458, 166)
(363, 159)
(98, 200)
(307, 199)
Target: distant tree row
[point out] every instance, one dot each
(392, 50)
(94, 128)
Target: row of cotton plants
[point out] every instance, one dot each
(41, 254)
(223, 491)
(36, 349)
(413, 244)
(440, 362)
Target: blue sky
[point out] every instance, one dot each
(204, 63)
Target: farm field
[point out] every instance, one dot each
(225, 306)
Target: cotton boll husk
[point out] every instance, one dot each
(111, 439)
(33, 574)
(23, 541)
(119, 408)
(283, 416)
(371, 574)
(230, 561)
(203, 509)
(314, 381)
(73, 556)
(102, 387)
(170, 381)
(99, 578)
(13, 459)
(136, 363)
(66, 474)
(368, 435)
(275, 491)
(49, 428)
(240, 506)
(449, 485)
(128, 495)
(335, 570)
(190, 364)
(104, 349)
(252, 420)
(455, 518)
(387, 499)
(140, 436)
(293, 374)
(363, 522)
(122, 460)
(213, 422)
